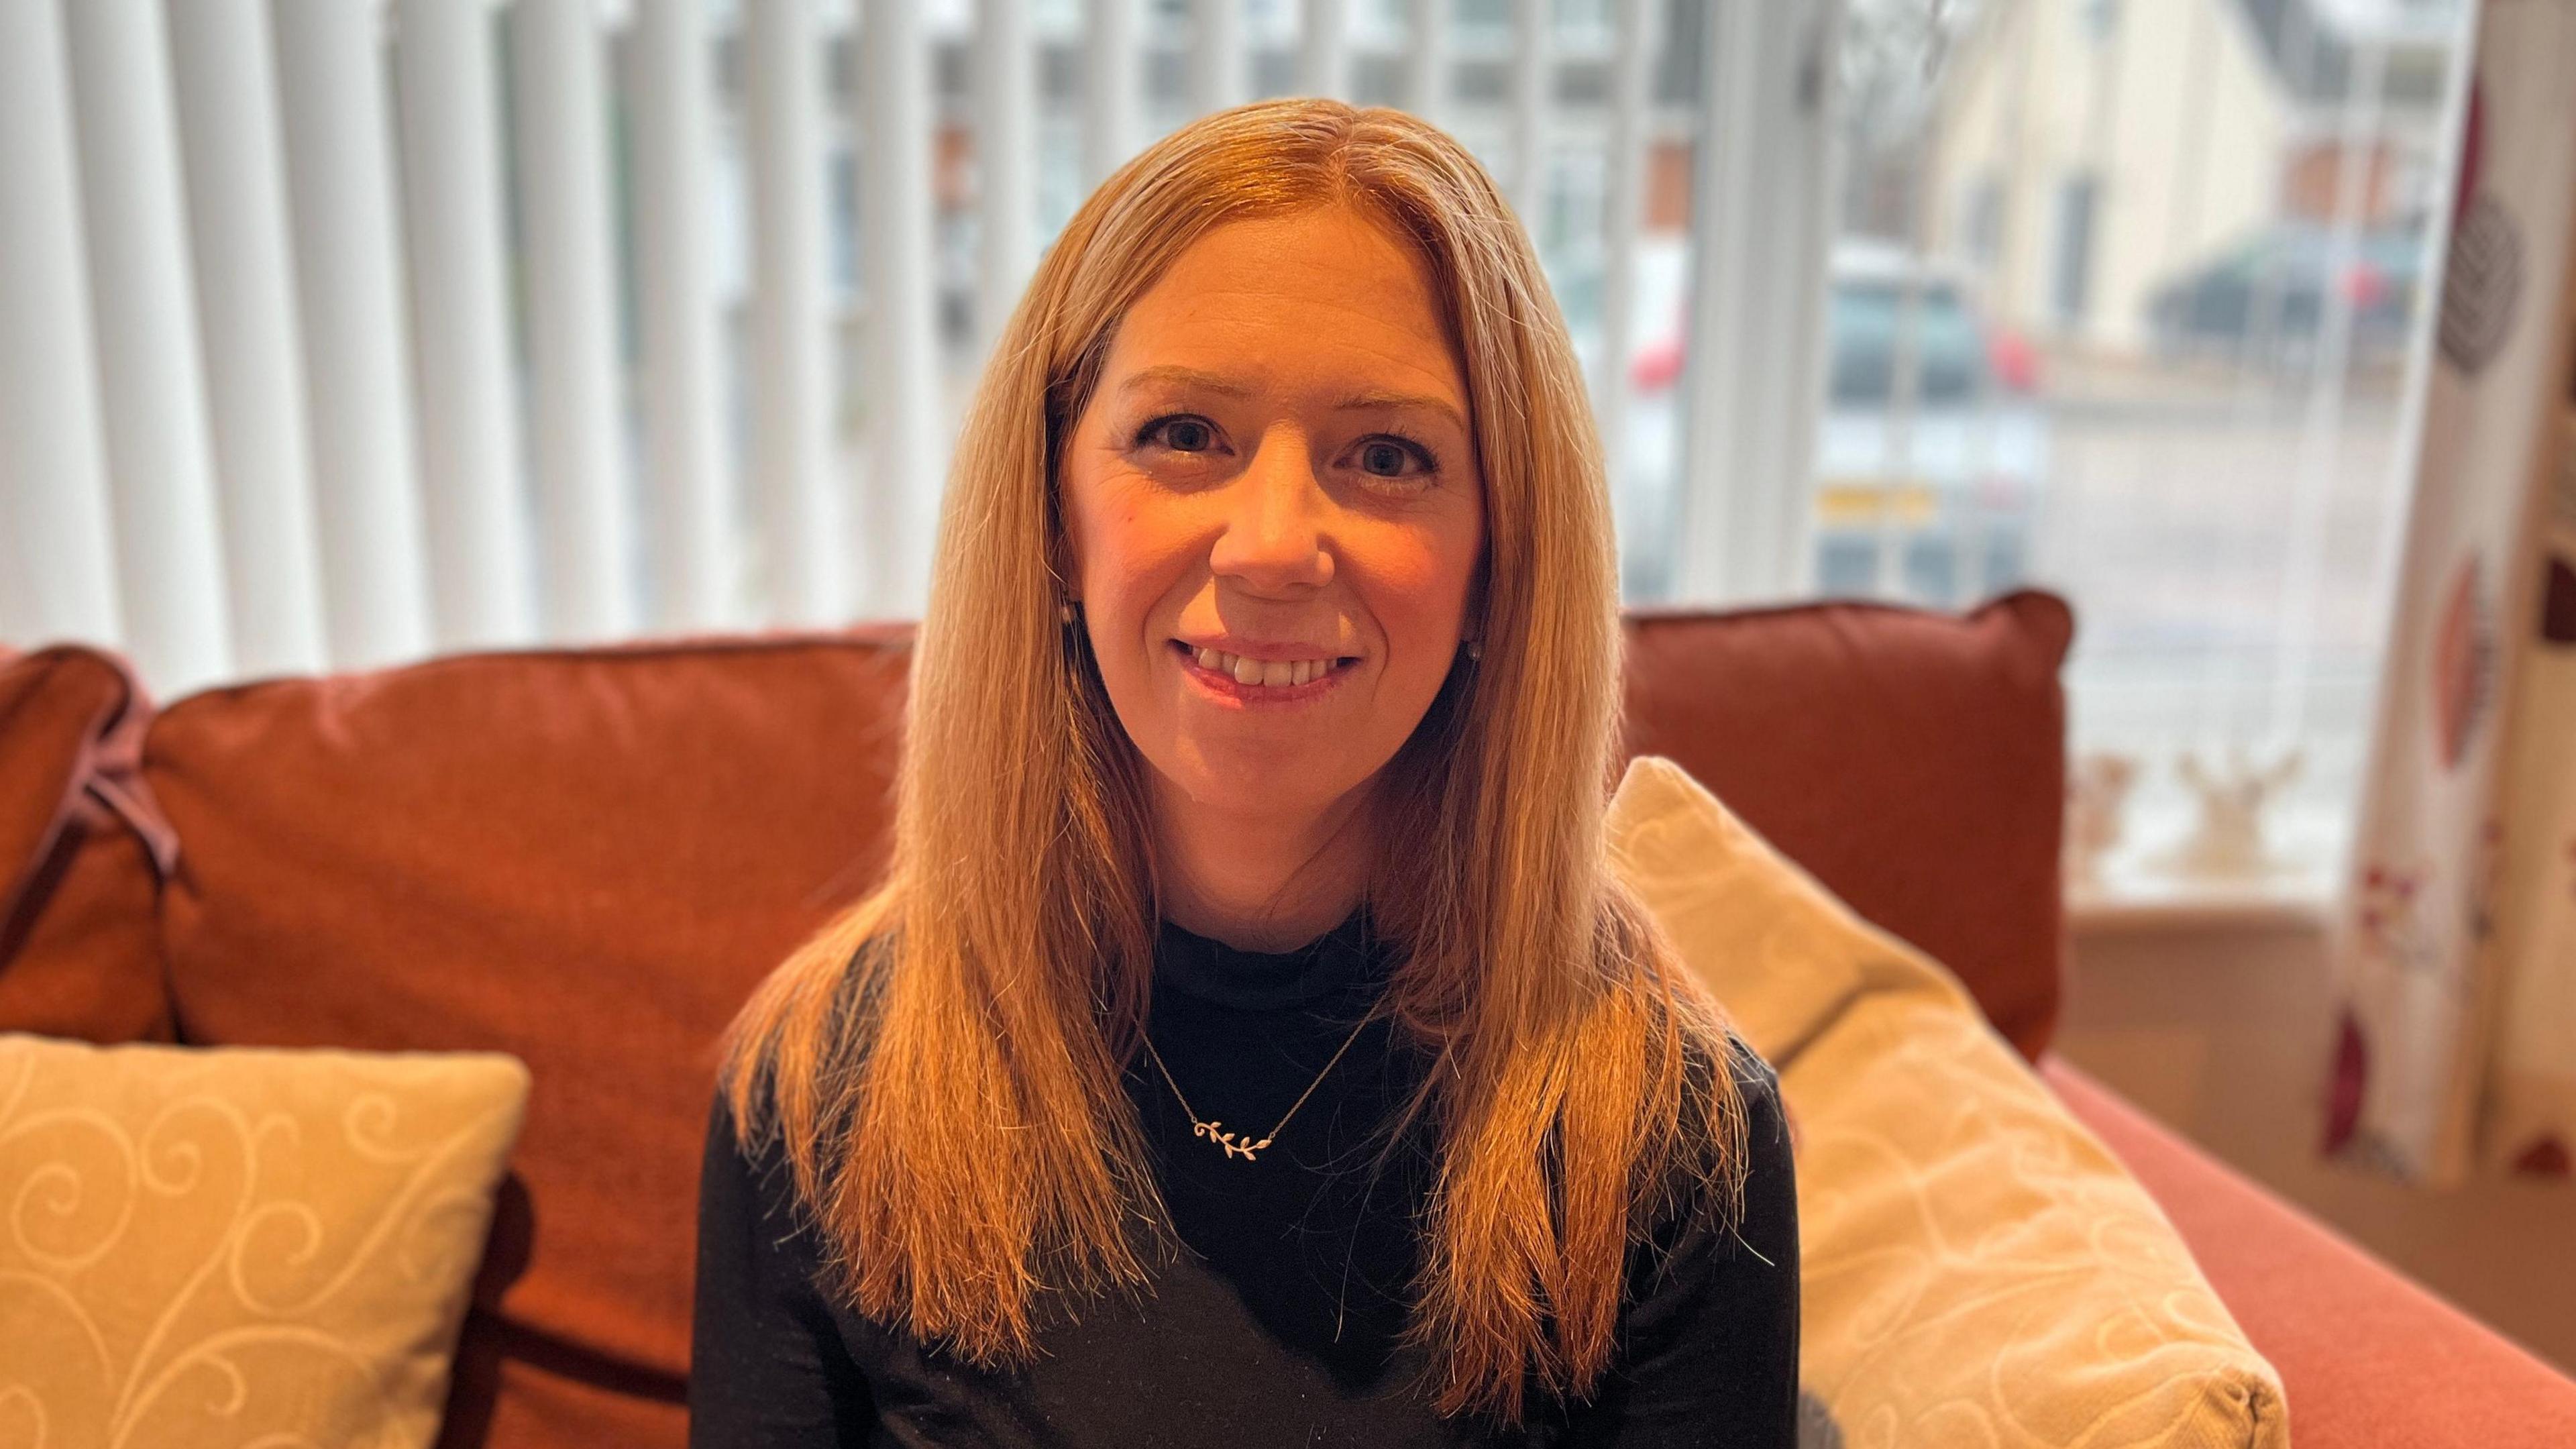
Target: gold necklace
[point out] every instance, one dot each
(1230, 1142)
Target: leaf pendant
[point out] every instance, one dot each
(1226, 1140)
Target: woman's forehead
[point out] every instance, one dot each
(1283, 300)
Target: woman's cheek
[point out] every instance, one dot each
(1420, 584)
(1130, 539)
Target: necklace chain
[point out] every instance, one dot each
(1233, 1144)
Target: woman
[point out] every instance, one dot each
(1248, 1044)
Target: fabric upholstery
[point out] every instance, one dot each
(1976, 1268)
(585, 858)
(212, 1248)
(2366, 1356)
(1836, 728)
(81, 849)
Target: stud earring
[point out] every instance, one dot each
(1475, 649)
(1064, 608)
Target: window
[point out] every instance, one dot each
(1952, 373)
(2162, 410)
(1862, 330)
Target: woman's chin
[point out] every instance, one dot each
(1257, 778)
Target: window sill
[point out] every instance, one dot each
(2137, 886)
(2301, 901)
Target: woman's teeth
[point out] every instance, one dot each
(1274, 673)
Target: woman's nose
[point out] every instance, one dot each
(1275, 509)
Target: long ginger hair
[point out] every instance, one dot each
(942, 1061)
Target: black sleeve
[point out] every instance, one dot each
(1709, 1346)
(767, 1364)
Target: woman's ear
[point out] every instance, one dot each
(1472, 626)
(1064, 552)
(1067, 567)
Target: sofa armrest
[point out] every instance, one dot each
(2366, 1357)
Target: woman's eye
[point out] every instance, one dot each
(1384, 457)
(1182, 434)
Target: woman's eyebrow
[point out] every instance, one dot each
(1187, 377)
(1403, 400)
(1224, 386)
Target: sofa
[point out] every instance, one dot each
(587, 857)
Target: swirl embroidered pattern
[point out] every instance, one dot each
(1975, 1267)
(232, 1246)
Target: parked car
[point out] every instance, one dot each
(1931, 498)
(2264, 297)
(1932, 502)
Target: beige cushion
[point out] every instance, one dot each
(1977, 1268)
(235, 1246)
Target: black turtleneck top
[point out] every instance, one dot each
(1279, 1325)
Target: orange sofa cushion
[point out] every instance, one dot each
(1914, 762)
(80, 851)
(583, 858)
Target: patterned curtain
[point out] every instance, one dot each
(2455, 947)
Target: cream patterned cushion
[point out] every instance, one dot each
(236, 1246)
(1977, 1269)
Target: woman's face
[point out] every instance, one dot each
(1274, 512)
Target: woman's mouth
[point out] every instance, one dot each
(1261, 681)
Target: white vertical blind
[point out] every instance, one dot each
(225, 78)
(161, 479)
(1426, 59)
(791, 358)
(57, 568)
(414, 374)
(1636, 24)
(455, 217)
(1761, 177)
(906, 423)
(1109, 96)
(1006, 81)
(1722, 283)
(1533, 67)
(356, 333)
(1218, 61)
(1323, 49)
(576, 403)
(690, 518)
